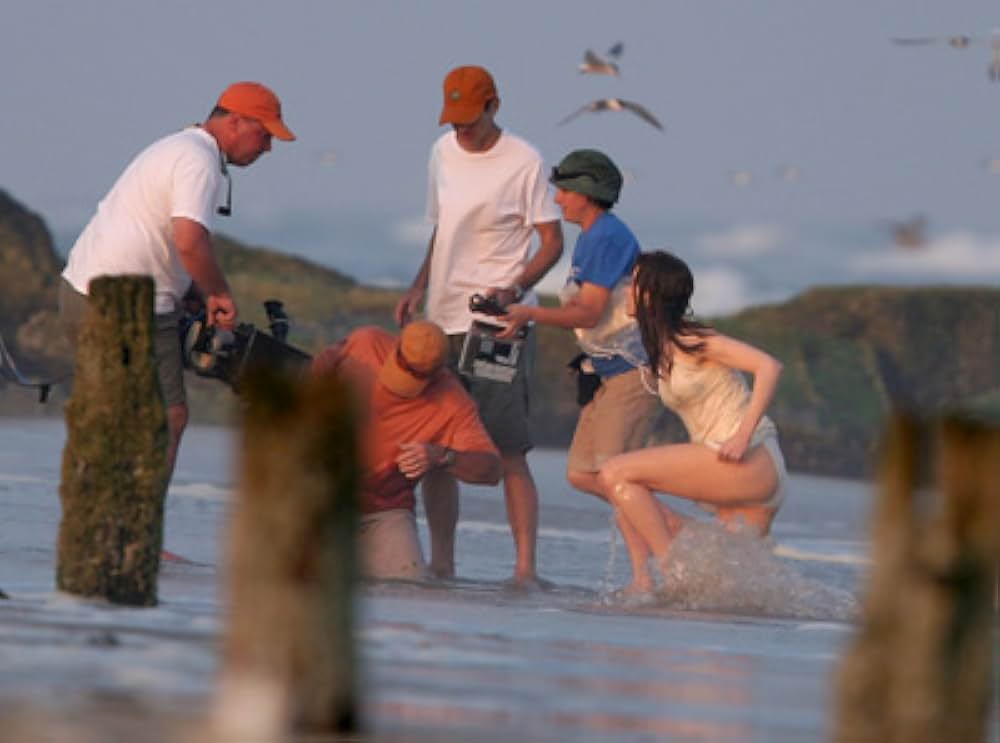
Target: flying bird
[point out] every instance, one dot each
(740, 178)
(962, 41)
(615, 104)
(789, 173)
(959, 41)
(594, 64)
(909, 233)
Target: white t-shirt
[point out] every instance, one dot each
(177, 176)
(485, 206)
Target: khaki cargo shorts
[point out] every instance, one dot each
(389, 546)
(620, 418)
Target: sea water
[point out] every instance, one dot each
(739, 642)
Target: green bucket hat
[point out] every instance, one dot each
(589, 172)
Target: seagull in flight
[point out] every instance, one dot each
(962, 41)
(594, 64)
(740, 178)
(959, 41)
(615, 104)
(909, 233)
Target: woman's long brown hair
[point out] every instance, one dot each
(663, 286)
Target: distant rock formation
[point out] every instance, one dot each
(29, 265)
(851, 354)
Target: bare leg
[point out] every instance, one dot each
(587, 482)
(640, 507)
(638, 550)
(177, 419)
(521, 497)
(689, 471)
(440, 492)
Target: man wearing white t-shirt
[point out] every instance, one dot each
(155, 221)
(487, 196)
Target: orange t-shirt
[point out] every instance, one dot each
(444, 414)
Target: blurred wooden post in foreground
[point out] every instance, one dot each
(288, 660)
(114, 468)
(920, 666)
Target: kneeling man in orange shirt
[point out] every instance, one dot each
(418, 417)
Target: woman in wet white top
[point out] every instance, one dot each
(732, 464)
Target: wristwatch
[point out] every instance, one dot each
(447, 459)
(518, 292)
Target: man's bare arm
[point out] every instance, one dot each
(194, 249)
(549, 252)
(480, 468)
(409, 303)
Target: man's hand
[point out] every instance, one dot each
(516, 317)
(504, 296)
(408, 305)
(414, 460)
(221, 311)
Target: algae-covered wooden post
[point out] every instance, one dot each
(114, 468)
(919, 668)
(288, 660)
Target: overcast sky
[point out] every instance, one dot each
(878, 132)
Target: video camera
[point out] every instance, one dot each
(484, 355)
(485, 305)
(228, 355)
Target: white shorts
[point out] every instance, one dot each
(389, 546)
(766, 435)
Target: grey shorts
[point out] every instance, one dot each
(389, 546)
(619, 419)
(166, 341)
(503, 407)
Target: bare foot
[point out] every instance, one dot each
(168, 556)
(528, 583)
(638, 587)
(637, 593)
(441, 572)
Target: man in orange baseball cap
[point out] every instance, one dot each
(489, 201)
(418, 419)
(156, 221)
(467, 91)
(256, 101)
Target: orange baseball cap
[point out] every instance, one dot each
(421, 351)
(466, 91)
(258, 102)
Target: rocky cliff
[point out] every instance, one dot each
(851, 354)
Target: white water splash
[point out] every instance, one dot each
(712, 569)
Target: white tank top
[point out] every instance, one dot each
(711, 400)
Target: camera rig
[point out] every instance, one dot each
(484, 355)
(228, 355)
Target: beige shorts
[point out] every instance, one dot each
(389, 546)
(619, 419)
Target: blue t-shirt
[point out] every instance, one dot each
(603, 255)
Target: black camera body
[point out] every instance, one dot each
(485, 305)
(229, 355)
